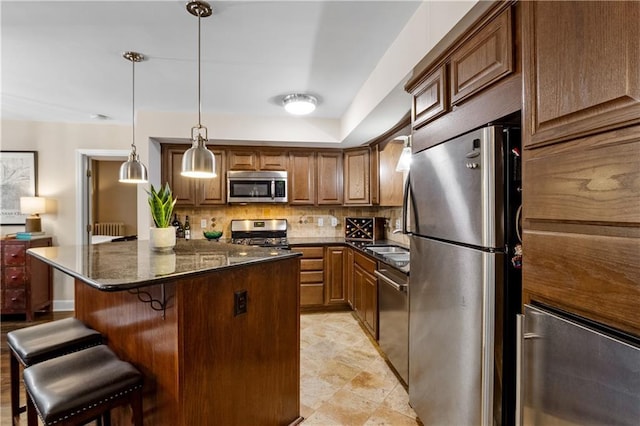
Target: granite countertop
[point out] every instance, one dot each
(132, 264)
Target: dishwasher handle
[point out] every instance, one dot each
(398, 286)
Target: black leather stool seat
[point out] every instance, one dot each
(72, 387)
(44, 341)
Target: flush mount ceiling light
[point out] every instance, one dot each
(299, 103)
(198, 161)
(132, 170)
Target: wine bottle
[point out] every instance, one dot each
(176, 224)
(187, 229)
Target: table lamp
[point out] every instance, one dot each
(33, 206)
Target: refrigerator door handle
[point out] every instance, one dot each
(405, 204)
(519, 367)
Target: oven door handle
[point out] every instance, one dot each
(397, 286)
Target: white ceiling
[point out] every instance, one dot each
(62, 60)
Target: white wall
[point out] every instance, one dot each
(56, 144)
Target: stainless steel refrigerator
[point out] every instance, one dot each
(465, 289)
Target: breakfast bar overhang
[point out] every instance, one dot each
(214, 327)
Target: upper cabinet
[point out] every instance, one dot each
(483, 59)
(391, 185)
(582, 63)
(257, 159)
(188, 191)
(473, 80)
(357, 176)
(315, 177)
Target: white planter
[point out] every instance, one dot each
(162, 239)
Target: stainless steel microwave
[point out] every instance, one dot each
(256, 187)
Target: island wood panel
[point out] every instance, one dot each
(202, 364)
(583, 68)
(594, 276)
(587, 180)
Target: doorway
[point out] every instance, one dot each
(100, 197)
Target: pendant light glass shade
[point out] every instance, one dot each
(198, 161)
(404, 162)
(132, 170)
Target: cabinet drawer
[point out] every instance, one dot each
(311, 294)
(482, 60)
(14, 299)
(14, 254)
(14, 277)
(311, 276)
(365, 263)
(310, 252)
(311, 264)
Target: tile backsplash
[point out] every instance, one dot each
(303, 221)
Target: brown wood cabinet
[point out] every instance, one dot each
(258, 159)
(335, 272)
(311, 276)
(26, 283)
(391, 186)
(315, 177)
(580, 85)
(581, 162)
(349, 285)
(365, 297)
(193, 192)
(357, 176)
(474, 80)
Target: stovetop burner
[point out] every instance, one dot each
(260, 232)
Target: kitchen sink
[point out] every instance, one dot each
(387, 249)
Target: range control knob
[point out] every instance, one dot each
(472, 165)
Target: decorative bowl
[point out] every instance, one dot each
(212, 235)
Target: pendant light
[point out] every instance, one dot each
(198, 161)
(132, 170)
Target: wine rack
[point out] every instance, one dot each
(364, 229)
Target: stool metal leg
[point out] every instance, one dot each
(32, 415)
(15, 388)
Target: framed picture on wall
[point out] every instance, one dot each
(18, 178)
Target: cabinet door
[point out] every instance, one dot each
(183, 188)
(430, 99)
(358, 291)
(391, 182)
(370, 303)
(273, 160)
(357, 165)
(581, 68)
(243, 160)
(484, 59)
(329, 177)
(302, 172)
(213, 191)
(349, 287)
(335, 275)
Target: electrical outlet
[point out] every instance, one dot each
(239, 303)
(334, 221)
(320, 221)
(203, 223)
(398, 223)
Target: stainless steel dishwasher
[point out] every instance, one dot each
(393, 325)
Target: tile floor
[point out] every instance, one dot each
(343, 378)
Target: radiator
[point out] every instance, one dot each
(109, 228)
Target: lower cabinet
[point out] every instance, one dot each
(311, 276)
(365, 289)
(335, 272)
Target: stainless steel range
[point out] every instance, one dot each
(260, 232)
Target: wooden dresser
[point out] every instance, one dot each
(25, 283)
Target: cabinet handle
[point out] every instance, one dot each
(13, 299)
(13, 277)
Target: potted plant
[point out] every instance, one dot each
(162, 237)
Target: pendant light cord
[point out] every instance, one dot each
(199, 66)
(133, 107)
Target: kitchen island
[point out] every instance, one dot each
(214, 327)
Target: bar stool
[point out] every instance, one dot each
(32, 345)
(81, 386)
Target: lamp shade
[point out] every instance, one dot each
(199, 162)
(33, 205)
(133, 171)
(404, 162)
